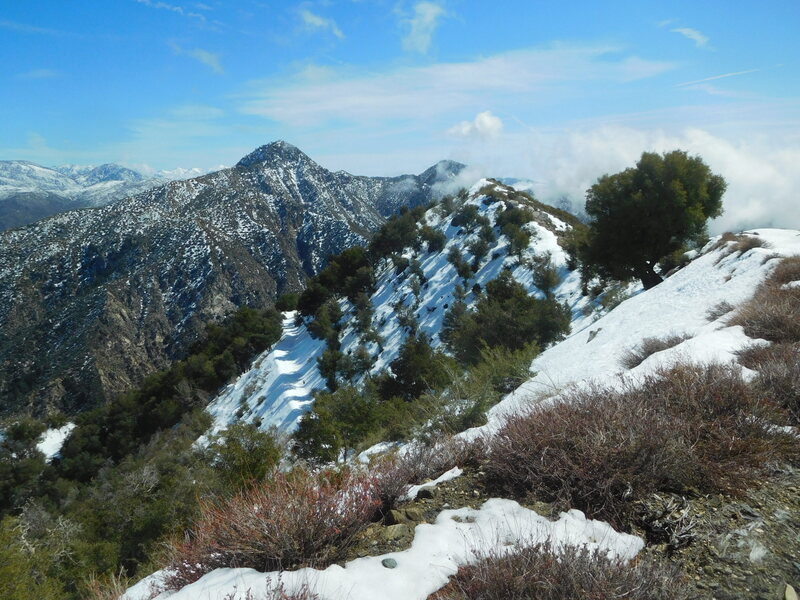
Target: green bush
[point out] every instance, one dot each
(117, 429)
(287, 301)
(506, 317)
(243, 455)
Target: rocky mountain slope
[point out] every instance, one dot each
(279, 388)
(742, 545)
(93, 300)
(29, 192)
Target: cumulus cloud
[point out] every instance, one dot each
(484, 126)
(315, 21)
(432, 90)
(422, 26)
(697, 37)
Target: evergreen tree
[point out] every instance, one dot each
(644, 213)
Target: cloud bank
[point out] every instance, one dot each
(763, 180)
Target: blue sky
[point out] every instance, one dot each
(555, 92)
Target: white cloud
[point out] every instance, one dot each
(24, 28)
(723, 76)
(761, 172)
(209, 59)
(484, 126)
(697, 37)
(420, 92)
(172, 8)
(314, 21)
(422, 26)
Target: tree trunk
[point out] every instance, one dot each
(648, 276)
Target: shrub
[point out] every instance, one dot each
(287, 301)
(748, 242)
(434, 238)
(516, 215)
(773, 313)
(465, 401)
(506, 317)
(419, 462)
(543, 572)
(418, 369)
(295, 519)
(22, 571)
(466, 217)
(518, 239)
(778, 378)
(635, 356)
(719, 310)
(685, 429)
(545, 275)
(243, 455)
(346, 417)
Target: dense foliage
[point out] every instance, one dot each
(129, 473)
(112, 431)
(644, 213)
(506, 316)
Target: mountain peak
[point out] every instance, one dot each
(442, 171)
(278, 151)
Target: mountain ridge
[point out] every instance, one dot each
(98, 298)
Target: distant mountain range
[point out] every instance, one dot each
(29, 192)
(93, 300)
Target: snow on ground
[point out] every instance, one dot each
(278, 388)
(438, 549)
(677, 306)
(51, 440)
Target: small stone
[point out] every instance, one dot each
(789, 593)
(414, 515)
(476, 493)
(395, 532)
(426, 494)
(395, 517)
(389, 563)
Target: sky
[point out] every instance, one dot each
(555, 93)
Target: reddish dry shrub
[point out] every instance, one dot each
(773, 313)
(395, 472)
(649, 346)
(778, 379)
(719, 310)
(685, 429)
(541, 573)
(279, 593)
(294, 519)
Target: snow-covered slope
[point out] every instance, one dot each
(29, 192)
(100, 298)
(438, 549)
(593, 353)
(678, 306)
(278, 389)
